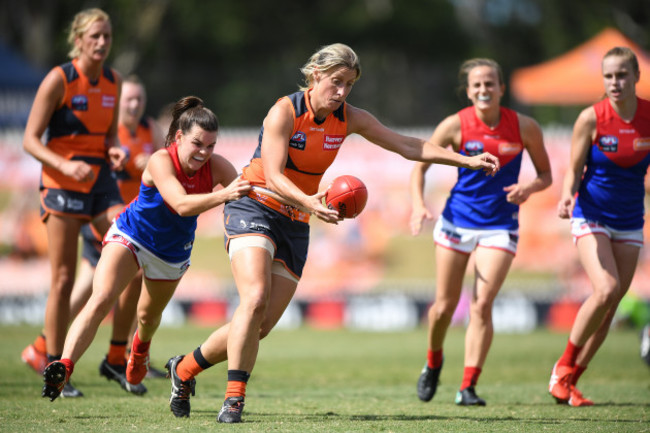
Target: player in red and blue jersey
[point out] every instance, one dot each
(267, 239)
(480, 216)
(155, 233)
(603, 194)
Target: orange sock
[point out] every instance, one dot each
(116, 353)
(39, 344)
(236, 389)
(192, 364)
(470, 377)
(570, 354)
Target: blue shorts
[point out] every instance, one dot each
(246, 217)
(91, 245)
(103, 195)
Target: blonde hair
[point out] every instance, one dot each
(327, 58)
(80, 24)
(626, 54)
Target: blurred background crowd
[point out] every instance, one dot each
(240, 56)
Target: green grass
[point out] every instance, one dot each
(341, 381)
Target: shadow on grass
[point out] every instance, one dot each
(250, 417)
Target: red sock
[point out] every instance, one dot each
(69, 366)
(577, 372)
(116, 353)
(570, 355)
(470, 377)
(434, 358)
(139, 346)
(39, 344)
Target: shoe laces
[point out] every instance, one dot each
(185, 388)
(234, 406)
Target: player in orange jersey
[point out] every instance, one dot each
(77, 103)
(480, 217)
(603, 194)
(267, 239)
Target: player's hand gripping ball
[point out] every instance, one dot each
(348, 195)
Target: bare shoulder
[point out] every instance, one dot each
(358, 119)
(528, 125)
(587, 117)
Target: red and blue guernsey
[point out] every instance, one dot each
(152, 223)
(478, 201)
(612, 189)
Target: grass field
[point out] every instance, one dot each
(340, 381)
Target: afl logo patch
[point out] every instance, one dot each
(474, 147)
(608, 143)
(79, 103)
(298, 141)
(642, 144)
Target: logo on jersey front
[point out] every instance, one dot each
(79, 103)
(509, 148)
(474, 147)
(332, 142)
(298, 141)
(608, 143)
(641, 144)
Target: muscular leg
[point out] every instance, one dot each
(450, 269)
(62, 235)
(626, 257)
(83, 287)
(153, 301)
(597, 258)
(492, 266)
(215, 347)
(115, 269)
(125, 309)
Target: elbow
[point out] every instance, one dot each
(182, 209)
(547, 179)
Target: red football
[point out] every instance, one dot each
(348, 195)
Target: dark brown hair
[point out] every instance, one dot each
(187, 112)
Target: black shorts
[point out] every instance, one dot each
(103, 195)
(91, 246)
(290, 237)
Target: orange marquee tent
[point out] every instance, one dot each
(574, 77)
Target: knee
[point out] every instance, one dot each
(99, 306)
(146, 319)
(442, 310)
(62, 282)
(606, 294)
(481, 309)
(254, 302)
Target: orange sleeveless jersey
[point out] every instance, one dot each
(137, 143)
(79, 126)
(312, 147)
